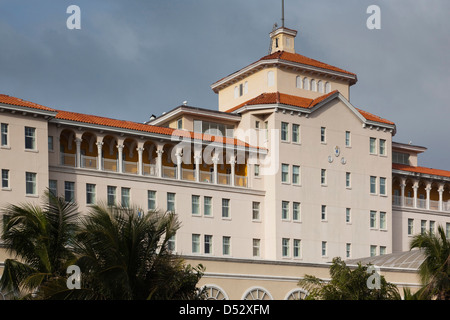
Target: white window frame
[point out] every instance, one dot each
(285, 244)
(383, 186)
(295, 133)
(111, 192)
(226, 245)
(195, 201)
(71, 190)
(373, 219)
(125, 197)
(323, 135)
(256, 248)
(323, 177)
(91, 197)
(382, 147)
(410, 227)
(30, 137)
(208, 244)
(296, 175)
(31, 178)
(323, 213)
(151, 199)
(373, 145)
(284, 173)
(171, 202)
(195, 243)
(284, 132)
(284, 210)
(383, 220)
(297, 248)
(373, 185)
(207, 206)
(226, 204)
(4, 135)
(348, 180)
(348, 139)
(296, 211)
(256, 211)
(5, 179)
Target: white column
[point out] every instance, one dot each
(99, 155)
(415, 187)
(179, 162)
(120, 157)
(159, 161)
(197, 167)
(215, 161)
(78, 154)
(233, 171)
(428, 189)
(441, 191)
(140, 152)
(402, 192)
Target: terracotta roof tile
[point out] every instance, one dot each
(5, 99)
(373, 117)
(424, 170)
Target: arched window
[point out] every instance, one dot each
(327, 87)
(305, 83)
(298, 82)
(245, 87)
(313, 85)
(213, 292)
(296, 294)
(257, 293)
(320, 86)
(270, 78)
(236, 92)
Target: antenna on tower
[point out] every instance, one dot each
(282, 13)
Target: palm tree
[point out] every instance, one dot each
(39, 239)
(434, 271)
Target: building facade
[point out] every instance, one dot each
(284, 176)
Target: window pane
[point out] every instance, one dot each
(255, 213)
(373, 219)
(295, 133)
(382, 147)
(226, 243)
(295, 174)
(126, 197)
(323, 214)
(90, 193)
(383, 220)
(30, 183)
(4, 134)
(151, 200)
(111, 195)
(373, 146)
(195, 204)
(285, 210)
(195, 243)
(225, 208)
(207, 206)
(256, 247)
(322, 134)
(30, 142)
(296, 248)
(284, 173)
(5, 178)
(373, 184)
(347, 138)
(383, 186)
(69, 191)
(284, 131)
(208, 244)
(285, 247)
(171, 202)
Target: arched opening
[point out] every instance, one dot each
(67, 148)
(89, 151)
(149, 155)
(110, 154)
(130, 156)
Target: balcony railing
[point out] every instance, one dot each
(240, 181)
(68, 159)
(110, 165)
(206, 176)
(223, 178)
(130, 167)
(169, 172)
(421, 203)
(149, 170)
(88, 162)
(188, 174)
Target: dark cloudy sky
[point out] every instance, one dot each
(134, 58)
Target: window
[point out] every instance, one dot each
(297, 252)
(348, 181)
(410, 226)
(30, 138)
(383, 186)
(285, 173)
(207, 206)
(257, 124)
(241, 89)
(180, 124)
(401, 158)
(111, 195)
(256, 170)
(5, 179)
(225, 208)
(373, 251)
(323, 137)
(298, 82)
(348, 250)
(323, 213)
(266, 129)
(208, 244)
(90, 193)
(373, 219)
(324, 248)
(296, 211)
(432, 227)
(151, 200)
(348, 216)
(347, 139)
(323, 176)
(295, 175)
(50, 143)
(69, 191)
(423, 226)
(373, 146)
(4, 134)
(245, 87)
(171, 244)
(30, 183)
(256, 247)
(284, 131)
(383, 220)
(305, 83)
(382, 250)
(447, 230)
(53, 187)
(285, 247)
(296, 133)
(284, 210)
(382, 147)
(313, 85)
(255, 211)
(125, 197)
(195, 205)
(270, 78)
(320, 86)
(236, 92)
(226, 244)
(195, 243)
(170, 202)
(373, 185)
(327, 87)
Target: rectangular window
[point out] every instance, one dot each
(30, 179)
(382, 250)
(195, 205)
(373, 251)
(383, 220)
(171, 244)
(50, 143)
(69, 191)
(207, 206)
(382, 186)
(447, 230)
(255, 211)
(195, 243)
(373, 145)
(348, 213)
(170, 202)
(53, 187)
(4, 134)
(410, 226)
(226, 245)
(208, 244)
(423, 226)
(382, 147)
(323, 213)
(373, 185)
(323, 137)
(284, 210)
(125, 197)
(373, 219)
(324, 248)
(297, 251)
(432, 227)
(256, 170)
(180, 124)
(285, 247)
(284, 131)
(323, 176)
(111, 195)
(348, 250)
(90, 193)
(401, 158)
(348, 181)
(5, 179)
(30, 138)
(296, 211)
(285, 173)
(296, 175)
(347, 139)
(295, 133)
(225, 208)
(151, 200)
(256, 243)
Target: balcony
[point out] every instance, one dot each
(408, 202)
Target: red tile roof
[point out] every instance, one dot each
(424, 170)
(5, 99)
(287, 99)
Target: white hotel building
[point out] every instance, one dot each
(286, 175)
